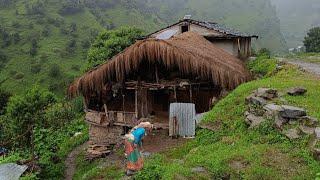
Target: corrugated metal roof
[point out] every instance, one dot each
(11, 171)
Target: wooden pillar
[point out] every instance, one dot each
(175, 93)
(136, 101)
(190, 94)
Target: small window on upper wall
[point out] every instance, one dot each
(184, 28)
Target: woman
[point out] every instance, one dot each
(132, 140)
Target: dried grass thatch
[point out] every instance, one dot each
(189, 52)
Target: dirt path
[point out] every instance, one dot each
(310, 67)
(70, 162)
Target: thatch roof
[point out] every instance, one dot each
(190, 52)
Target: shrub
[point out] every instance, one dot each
(264, 52)
(71, 46)
(3, 59)
(59, 114)
(312, 40)
(18, 75)
(75, 67)
(54, 71)
(4, 98)
(263, 66)
(24, 111)
(35, 68)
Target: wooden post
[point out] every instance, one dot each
(190, 93)
(123, 102)
(175, 93)
(136, 102)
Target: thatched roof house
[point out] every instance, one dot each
(189, 52)
(144, 79)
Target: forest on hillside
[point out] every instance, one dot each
(46, 41)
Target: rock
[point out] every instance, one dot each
(306, 130)
(272, 110)
(296, 91)
(291, 112)
(198, 170)
(317, 132)
(279, 122)
(254, 121)
(266, 93)
(292, 134)
(309, 121)
(256, 100)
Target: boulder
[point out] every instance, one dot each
(291, 112)
(280, 122)
(292, 134)
(272, 110)
(258, 101)
(266, 93)
(296, 91)
(306, 130)
(254, 121)
(198, 169)
(317, 132)
(309, 121)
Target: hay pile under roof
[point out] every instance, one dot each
(190, 52)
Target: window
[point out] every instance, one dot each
(184, 28)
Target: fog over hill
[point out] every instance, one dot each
(297, 17)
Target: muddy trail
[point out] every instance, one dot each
(307, 66)
(70, 162)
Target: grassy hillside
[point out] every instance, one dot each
(46, 41)
(232, 150)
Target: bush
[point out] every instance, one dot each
(264, 52)
(35, 68)
(4, 98)
(312, 40)
(59, 114)
(18, 76)
(54, 71)
(71, 46)
(28, 110)
(3, 59)
(263, 66)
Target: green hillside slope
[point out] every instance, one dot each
(45, 41)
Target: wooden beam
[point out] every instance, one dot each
(157, 75)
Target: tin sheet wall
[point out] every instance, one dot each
(185, 114)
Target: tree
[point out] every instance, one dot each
(312, 40)
(111, 42)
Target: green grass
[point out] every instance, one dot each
(262, 153)
(98, 169)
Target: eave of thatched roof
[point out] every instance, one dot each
(190, 52)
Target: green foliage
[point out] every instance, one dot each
(110, 43)
(53, 146)
(4, 98)
(59, 114)
(27, 110)
(312, 40)
(3, 59)
(264, 52)
(263, 65)
(54, 71)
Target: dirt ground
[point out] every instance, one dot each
(159, 141)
